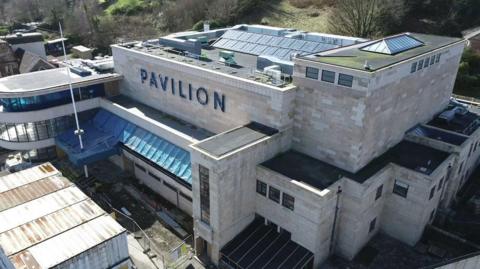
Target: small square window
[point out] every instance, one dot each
(400, 188)
(432, 193)
(432, 60)
(274, 194)
(328, 76)
(420, 65)
(413, 68)
(379, 192)
(372, 225)
(426, 63)
(312, 73)
(261, 188)
(438, 58)
(288, 201)
(345, 80)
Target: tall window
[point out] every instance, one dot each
(432, 193)
(400, 188)
(432, 60)
(372, 225)
(413, 68)
(204, 194)
(274, 194)
(312, 73)
(378, 194)
(427, 62)
(345, 80)
(420, 65)
(288, 201)
(328, 76)
(261, 188)
(438, 58)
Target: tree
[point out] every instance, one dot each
(361, 18)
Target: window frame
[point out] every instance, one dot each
(413, 67)
(372, 225)
(312, 70)
(271, 191)
(432, 192)
(401, 185)
(259, 188)
(379, 192)
(426, 63)
(288, 201)
(326, 73)
(420, 65)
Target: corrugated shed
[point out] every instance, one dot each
(27, 176)
(46, 221)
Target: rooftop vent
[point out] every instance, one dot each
(227, 57)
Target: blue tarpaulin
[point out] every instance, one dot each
(106, 132)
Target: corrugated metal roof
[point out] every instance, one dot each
(45, 220)
(27, 176)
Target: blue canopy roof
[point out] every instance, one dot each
(106, 132)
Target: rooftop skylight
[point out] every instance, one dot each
(394, 45)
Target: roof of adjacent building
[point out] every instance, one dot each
(321, 175)
(438, 134)
(237, 138)
(31, 62)
(402, 47)
(465, 122)
(49, 80)
(46, 220)
(22, 38)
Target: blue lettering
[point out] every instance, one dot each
(163, 82)
(180, 90)
(153, 80)
(204, 100)
(173, 86)
(143, 75)
(219, 102)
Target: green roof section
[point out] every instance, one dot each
(356, 57)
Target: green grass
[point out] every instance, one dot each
(126, 7)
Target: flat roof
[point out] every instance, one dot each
(354, 57)
(49, 80)
(321, 175)
(232, 140)
(464, 124)
(438, 134)
(22, 38)
(46, 220)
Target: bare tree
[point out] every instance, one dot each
(356, 17)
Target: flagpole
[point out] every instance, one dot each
(78, 132)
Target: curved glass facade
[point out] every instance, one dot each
(22, 104)
(40, 130)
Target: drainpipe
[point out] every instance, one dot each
(332, 236)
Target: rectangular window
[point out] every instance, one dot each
(155, 176)
(274, 194)
(204, 194)
(312, 73)
(432, 60)
(440, 185)
(288, 201)
(427, 62)
(170, 186)
(438, 58)
(345, 80)
(372, 225)
(186, 197)
(140, 167)
(420, 65)
(432, 193)
(400, 188)
(328, 76)
(261, 188)
(378, 194)
(413, 68)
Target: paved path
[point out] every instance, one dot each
(139, 258)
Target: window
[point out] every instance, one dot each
(170, 186)
(274, 194)
(140, 167)
(400, 188)
(186, 197)
(372, 225)
(440, 184)
(432, 193)
(288, 201)
(413, 68)
(432, 60)
(312, 73)
(438, 58)
(345, 80)
(204, 194)
(420, 65)
(379, 192)
(155, 176)
(328, 76)
(261, 188)
(427, 62)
